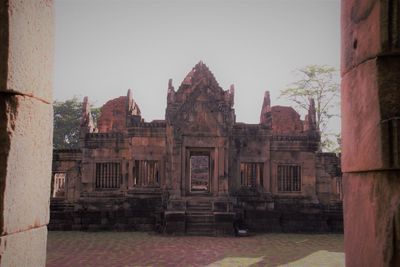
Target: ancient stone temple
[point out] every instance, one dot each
(197, 170)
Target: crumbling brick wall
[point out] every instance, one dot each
(113, 116)
(285, 120)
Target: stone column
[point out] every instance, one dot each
(131, 163)
(371, 131)
(26, 130)
(177, 158)
(214, 167)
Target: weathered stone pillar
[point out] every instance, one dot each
(26, 63)
(371, 131)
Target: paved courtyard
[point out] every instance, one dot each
(148, 249)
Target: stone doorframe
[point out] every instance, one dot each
(186, 179)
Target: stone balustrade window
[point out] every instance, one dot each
(289, 178)
(146, 173)
(108, 175)
(251, 174)
(59, 184)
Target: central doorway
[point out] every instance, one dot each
(199, 172)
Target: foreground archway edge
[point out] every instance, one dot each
(26, 66)
(370, 131)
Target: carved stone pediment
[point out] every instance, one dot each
(203, 114)
(200, 105)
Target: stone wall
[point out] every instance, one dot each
(26, 62)
(100, 214)
(323, 221)
(263, 212)
(370, 136)
(306, 160)
(68, 163)
(249, 143)
(328, 178)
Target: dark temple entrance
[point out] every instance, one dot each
(199, 172)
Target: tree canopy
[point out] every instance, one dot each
(320, 83)
(67, 116)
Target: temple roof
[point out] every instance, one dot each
(199, 74)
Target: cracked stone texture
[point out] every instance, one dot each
(372, 218)
(368, 29)
(25, 248)
(27, 166)
(27, 45)
(371, 92)
(26, 66)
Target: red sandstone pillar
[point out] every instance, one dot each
(371, 131)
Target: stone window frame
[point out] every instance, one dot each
(259, 180)
(156, 185)
(298, 164)
(53, 181)
(120, 180)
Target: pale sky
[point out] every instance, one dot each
(105, 47)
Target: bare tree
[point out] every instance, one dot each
(320, 83)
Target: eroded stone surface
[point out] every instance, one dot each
(361, 32)
(27, 168)
(371, 209)
(285, 120)
(369, 28)
(27, 248)
(371, 92)
(362, 142)
(114, 112)
(30, 48)
(26, 62)
(4, 30)
(370, 133)
(389, 86)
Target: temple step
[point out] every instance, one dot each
(199, 218)
(203, 229)
(60, 205)
(199, 205)
(200, 223)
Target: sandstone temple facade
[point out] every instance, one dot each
(197, 170)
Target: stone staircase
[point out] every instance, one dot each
(199, 218)
(60, 205)
(61, 215)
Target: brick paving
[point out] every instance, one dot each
(148, 249)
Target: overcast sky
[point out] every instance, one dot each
(104, 47)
